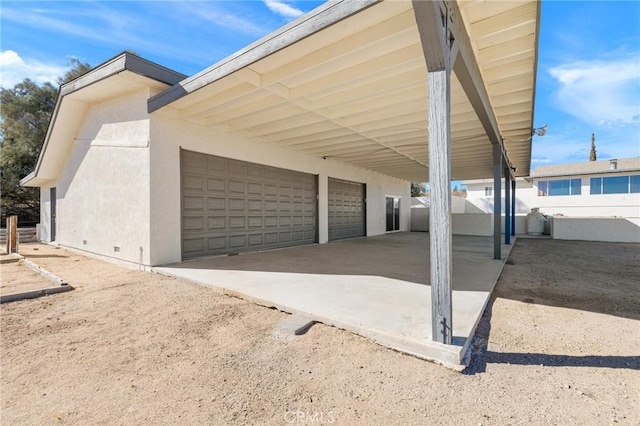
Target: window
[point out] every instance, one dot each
(393, 214)
(635, 184)
(615, 185)
(542, 188)
(488, 191)
(576, 186)
(559, 187)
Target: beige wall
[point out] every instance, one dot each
(103, 189)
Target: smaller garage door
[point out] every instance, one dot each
(347, 218)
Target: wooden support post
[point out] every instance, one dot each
(513, 206)
(507, 206)
(12, 234)
(440, 198)
(497, 201)
(433, 19)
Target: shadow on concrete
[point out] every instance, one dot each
(401, 256)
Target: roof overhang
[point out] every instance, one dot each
(122, 74)
(347, 81)
(585, 173)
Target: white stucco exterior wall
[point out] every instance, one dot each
(45, 213)
(103, 190)
(478, 202)
(169, 134)
(610, 229)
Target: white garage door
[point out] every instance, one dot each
(231, 206)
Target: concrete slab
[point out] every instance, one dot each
(377, 287)
(295, 324)
(33, 294)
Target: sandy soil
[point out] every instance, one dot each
(559, 345)
(16, 277)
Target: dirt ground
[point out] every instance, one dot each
(559, 344)
(18, 277)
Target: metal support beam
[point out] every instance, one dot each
(497, 201)
(507, 206)
(513, 206)
(433, 21)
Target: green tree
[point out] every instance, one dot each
(24, 118)
(417, 189)
(77, 68)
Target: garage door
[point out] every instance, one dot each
(231, 206)
(346, 209)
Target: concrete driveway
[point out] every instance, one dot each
(377, 287)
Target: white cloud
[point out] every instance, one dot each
(14, 69)
(280, 7)
(600, 92)
(214, 14)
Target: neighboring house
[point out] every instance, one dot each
(608, 188)
(603, 188)
(583, 198)
(309, 135)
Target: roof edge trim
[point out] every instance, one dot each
(28, 178)
(535, 74)
(587, 173)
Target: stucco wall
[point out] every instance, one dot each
(608, 229)
(103, 190)
(419, 218)
(44, 230)
(169, 133)
(472, 224)
(478, 202)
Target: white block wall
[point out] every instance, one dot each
(619, 230)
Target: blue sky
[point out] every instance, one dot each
(588, 67)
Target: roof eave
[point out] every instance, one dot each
(124, 61)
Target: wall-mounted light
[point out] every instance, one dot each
(539, 131)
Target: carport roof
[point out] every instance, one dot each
(347, 81)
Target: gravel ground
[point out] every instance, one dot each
(559, 344)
